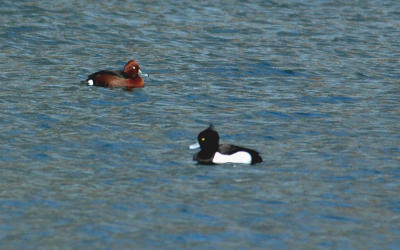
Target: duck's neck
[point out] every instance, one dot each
(207, 153)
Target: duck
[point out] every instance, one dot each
(214, 153)
(129, 77)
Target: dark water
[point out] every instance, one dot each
(312, 85)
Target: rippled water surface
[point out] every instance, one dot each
(312, 85)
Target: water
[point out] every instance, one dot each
(312, 85)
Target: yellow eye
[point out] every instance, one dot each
(203, 139)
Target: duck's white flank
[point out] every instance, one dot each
(238, 157)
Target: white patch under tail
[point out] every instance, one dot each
(238, 157)
(90, 82)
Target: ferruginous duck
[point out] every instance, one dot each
(129, 78)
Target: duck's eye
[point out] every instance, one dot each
(133, 67)
(203, 139)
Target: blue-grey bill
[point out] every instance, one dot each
(143, 74)
(195, 146)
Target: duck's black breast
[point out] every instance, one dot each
(228, 149)
(204, 158)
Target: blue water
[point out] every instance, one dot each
(312, 85)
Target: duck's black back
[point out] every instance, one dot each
(118, 73)
(228, 149)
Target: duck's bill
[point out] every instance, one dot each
(141, 74)
(195, 146)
